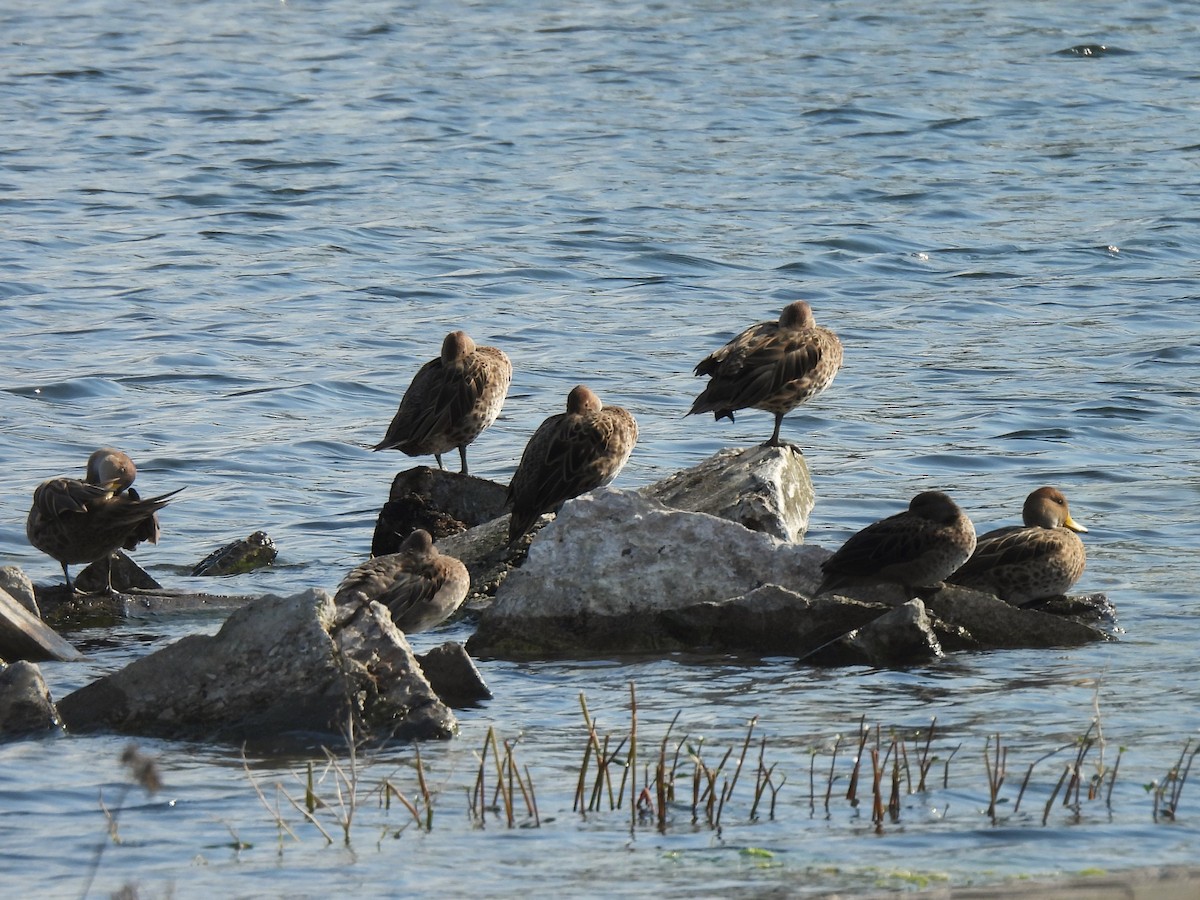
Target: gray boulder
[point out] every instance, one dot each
(902, 636)
(17, 585)
(617, 573)
(453, 675)
(441, 502)
(126, 575)
(601, 576)
(25, 705)
(766, 489)
(24, 636)
(279, 666)
(972, 620)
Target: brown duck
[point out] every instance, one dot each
(1021, 564)
(75, 521)
(772, 366)
(917, 548)
(419, 585)
(570, 454)
(450, 401)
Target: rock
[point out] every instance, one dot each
(24, 636)
(600, 576)
(441, 502)
(279, 667)
(25, 705)
(485, 552)
(453, 675)
(238, 557)
(64, 610)
(902, 636)
(18, 586)
(126, 576)
(765, 489)
(991, 624)
(769, 621)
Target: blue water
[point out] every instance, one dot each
(233, 232)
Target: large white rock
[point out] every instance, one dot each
(764, 488)
(601, 576)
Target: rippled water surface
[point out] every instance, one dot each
(234, 230)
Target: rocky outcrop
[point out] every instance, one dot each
(279, 667)
(764, 488)
(619, 573)
(17, 585)
(453, 675)
(126, 575)
(441, 502)
(25, 706)
(613, 565)
(24, 636)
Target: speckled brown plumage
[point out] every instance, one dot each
(772, 366)
(75, 522)
(450, 401)
(1021, 564)
(419, 585)
(570, 454)
(919, 547)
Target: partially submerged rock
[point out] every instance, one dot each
(17, 584)
(65, 610)
(126, 575)
(238, 557)
(902, 636)
(453, 675)
(279, 666)
(441, 502)
(24, 636)
(985, 622)
(619, 573)
(25, 705)
(600, 575)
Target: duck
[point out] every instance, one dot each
(772, 366)
(917, 548)
(421, 586)
(569, 454)
(1021, 564)
(75, 521)
(450, 401)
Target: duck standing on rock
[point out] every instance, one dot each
(450, 401)
(570, 454)
(419, 585)
(773, 366)
(1021, 564)
(76, 521)
(917, 548)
